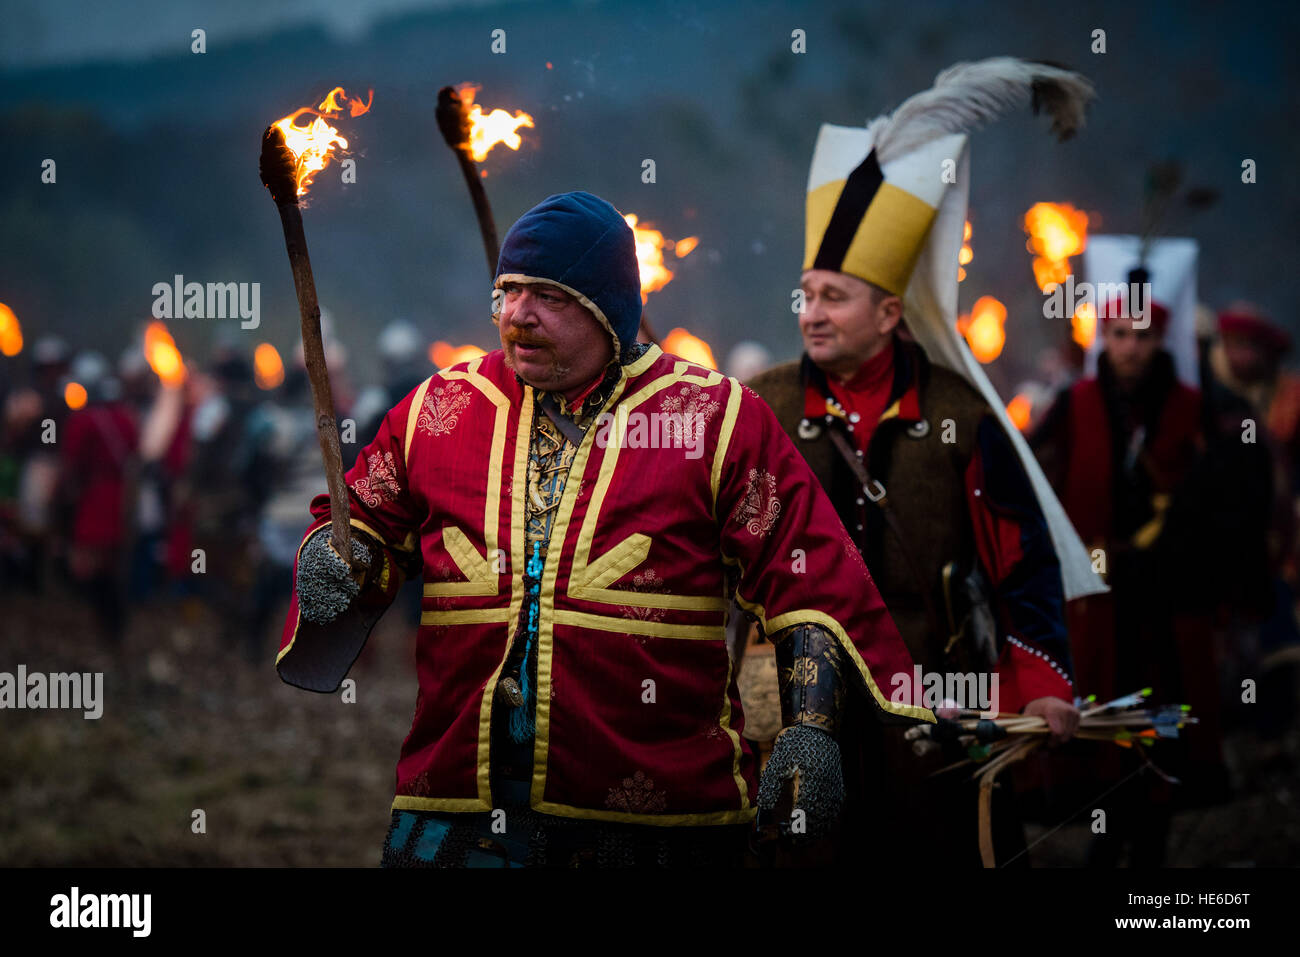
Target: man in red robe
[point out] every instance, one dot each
(97, 481)
(1121, 448)
(584, 509)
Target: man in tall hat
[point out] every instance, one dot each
(584, 508)
(910, 440)
(1125, 449)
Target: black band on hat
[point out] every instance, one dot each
(859, 190)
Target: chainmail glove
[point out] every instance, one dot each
(809, 757)
(325, 583)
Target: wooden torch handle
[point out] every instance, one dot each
(313, 351)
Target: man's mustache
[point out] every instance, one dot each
(523, 339)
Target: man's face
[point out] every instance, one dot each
(1247, 359)
(845, 321)
(1129, 350)
(551, 339)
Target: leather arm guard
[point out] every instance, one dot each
(810, 667)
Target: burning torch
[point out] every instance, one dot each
(291, 156)
(650, 246)
(471, 134)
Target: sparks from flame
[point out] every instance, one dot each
(983, 328)
(486, 130)
(268, 367)
(679, 342)
(1056, 231)
(74, 393)
(11, 332)
(650, 245)
(444, 354)
(162, 355)
(967, 253)
(1019, 410)
(313, 145)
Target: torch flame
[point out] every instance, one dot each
(983, 328)
(444, 354)
(313, 145)
(11, 333)
(162, 355)
(486, 130)
(1019, 410)
(268, 368)
(74, 393)
(1084, 324)
(967, 254)
(679, 342)
(650, 245)
(355, 106)
(1056, 231)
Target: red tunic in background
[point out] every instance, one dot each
(98, 442)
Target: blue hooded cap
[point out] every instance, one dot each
(580, 243)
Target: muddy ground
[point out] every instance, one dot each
(286, 777)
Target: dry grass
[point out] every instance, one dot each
(285, 777)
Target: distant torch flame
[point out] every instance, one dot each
(162, 355)
(11, 333)
(1056, 231)
(966, 255)
(650, 245)
(268, 367)
(444, 354)
(312, 145)
(679, 342)
(684, 247)
(1084, 324)
(1019, 410)
(983, 328)
(74, 393)
(486, 130)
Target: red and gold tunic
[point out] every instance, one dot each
(686, 489)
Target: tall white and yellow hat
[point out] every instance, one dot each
(876, 192)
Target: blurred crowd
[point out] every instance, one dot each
(121, 489)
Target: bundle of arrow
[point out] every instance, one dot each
(996, 742)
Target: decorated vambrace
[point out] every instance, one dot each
(811, 680)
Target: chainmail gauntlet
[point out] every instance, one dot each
(325, 584)
(806, 757)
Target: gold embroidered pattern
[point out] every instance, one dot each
(442, 408)
(758, 510)
(696, 408)
(648, 581)
(380, 484)
(637, 796)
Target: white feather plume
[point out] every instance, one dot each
(967, 95)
